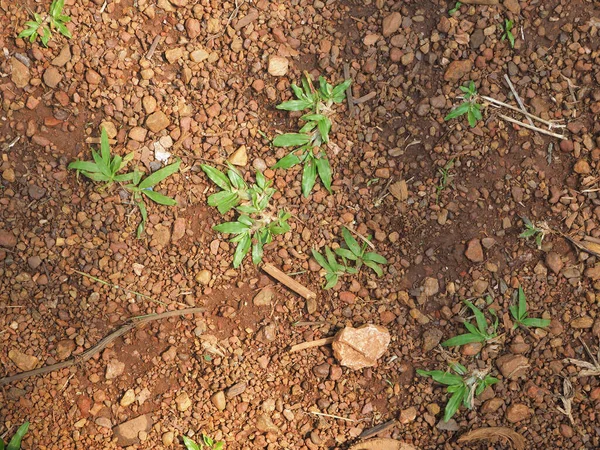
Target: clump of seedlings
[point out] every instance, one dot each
(353, 252)
(463, 386)
(532, 231)
(308, 141)
(105, 168)
(469, 107)
(507, 34)
(257, 222)
(15, 442)
(43, 26)
(206, 442)
(520, 315)
(482, 333)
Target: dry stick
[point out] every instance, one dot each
(519, 101)
(534, 128)
(134, 322)
(311, 344)
(365, 98)
(332, 416)
(288, 281)
(349, 95)
(506, 105)
(152, 48)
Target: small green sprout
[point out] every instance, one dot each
(206, 441)
(483, 332)
(453, 11)
(357, 253)
(38, 27)
(445, 178)
(255, 233)
(15, 442)
(333, 269)
(104, 167)
(463, 387)
(508, 26)
(235, 190)
(314, 133)
(532, 231)
(470, 107)
(519, 313)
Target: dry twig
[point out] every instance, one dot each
(518, 99)
(567, 399)
(311, 344)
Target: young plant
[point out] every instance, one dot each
(357, 253)
(235, 190)
(462, 385)
(453, 11)
(104, 168)
(470, 107)
(255, 233)
(532, 231)
(508, 26)
(39, 27)
(314, 133)
(144, 189)
(519, 313)
(15, 442)
(483, 332)
(206, 441)
(333, 269)
(445, 178)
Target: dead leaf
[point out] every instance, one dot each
(383, 444)
(399, 190)
(567, 399)
(515, 439)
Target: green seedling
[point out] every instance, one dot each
(445, 178)
(314, 133)
(235, 191)
(520, 316)
(39, 26)
(142, 189)
(206, 441)
(255, 233)
(532, 231)
(359, 254)
(15, 442)
(462, 385)
(483, 332)
(453, 11)
(104, 167)
(333, 269)
(508, 26)
(470, 107)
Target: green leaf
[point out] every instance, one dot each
(189, 444)
(86, 166)
(63, 29)
(321, 260)
(458, 368)
(257, 252)
(372, 256)
(352, 244)
(15, 442)
(462, 339)
(1, 444)
(473, 329)
(159, 175)
(454, 403)
(104, 168)
(309, 176)
(324, 126)
(308, 127)
(471, 119)
(96, 176)
(331, 280)
(345, 253)
(236, 179)
(522, 303)
(27, 32)
(527, 233)
(479, 317)
(324, 170)
(159, 198)
(216, 176)
(294, 105)
(339, 92)
(142, 224)
(291, 140)
(331, 259)
(535, 322)
(125, 177)
(458, 111)
(104, 147)
(223, 200)
(373, 265)
(219, 445)
(241, 250)
(449, 379)
(231, 227)
(298, 92)
(313, 117)
(287, 161)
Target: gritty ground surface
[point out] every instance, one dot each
(209, 76)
